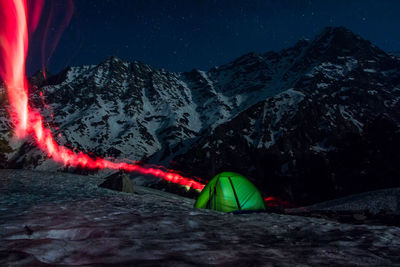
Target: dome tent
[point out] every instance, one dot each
(230, 192)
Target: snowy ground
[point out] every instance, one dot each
(57, 218)
(375, 202)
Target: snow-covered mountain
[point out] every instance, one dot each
(286, 119)
(331, 128)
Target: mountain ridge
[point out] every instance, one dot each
(295, 105)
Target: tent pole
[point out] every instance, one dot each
(234, 192)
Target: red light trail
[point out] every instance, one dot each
(28, 120)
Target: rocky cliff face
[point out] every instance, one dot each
(311, 122)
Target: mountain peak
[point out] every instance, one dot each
(336, 30)
(113, 60)
(302, 42)
(338, 36)
(340, 41)
(40, 76)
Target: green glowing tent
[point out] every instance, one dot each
(229, 192)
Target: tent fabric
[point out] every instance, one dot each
(230, 192)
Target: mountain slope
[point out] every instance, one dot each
(308, 123)
(324, 136)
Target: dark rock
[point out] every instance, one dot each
(28, 230)
(375, 207)
(118, 182)
(373, 202)
(359, 217)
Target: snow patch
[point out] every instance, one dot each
(369, 70)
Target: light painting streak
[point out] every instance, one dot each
(27, 120)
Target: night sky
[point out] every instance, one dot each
(181, 35)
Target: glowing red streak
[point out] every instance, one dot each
(13, 50)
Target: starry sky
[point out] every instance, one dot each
(179, 35)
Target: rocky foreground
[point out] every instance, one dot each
(58, 218)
